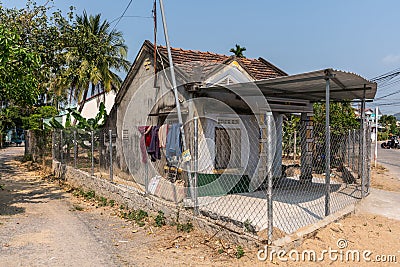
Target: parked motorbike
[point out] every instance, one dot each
(393, 142)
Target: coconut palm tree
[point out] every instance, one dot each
(94, 53)
(238, 51)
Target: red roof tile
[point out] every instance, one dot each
(259, 69)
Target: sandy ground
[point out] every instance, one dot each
(45, 224)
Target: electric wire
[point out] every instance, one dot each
(123, 14)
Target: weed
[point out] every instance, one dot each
(137, 216)
(248, 227)
(159, 220)
(103, 201)
(2, 186)
(111, 202)
(89, 195)
(78, 192)
(239, 252)
(186, 227)
(221, 250)
(121, 207)
(77, 207)
(140, 215)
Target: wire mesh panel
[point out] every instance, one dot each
(264, 173)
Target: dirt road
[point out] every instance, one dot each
(39, 226)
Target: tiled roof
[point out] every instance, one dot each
(259, 69)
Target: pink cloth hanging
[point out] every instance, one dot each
(144, 130)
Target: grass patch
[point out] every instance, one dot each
(85, 194)
(2, 186)
(102, 201)
(239, 252)
(111, 202)
(159, 220)
(90, 195)
(185, 227)
(138, 216)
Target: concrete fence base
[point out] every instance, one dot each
(134, 198)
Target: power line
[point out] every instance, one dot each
(123, 14)
(133, 16)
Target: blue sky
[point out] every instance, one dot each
(297, 36)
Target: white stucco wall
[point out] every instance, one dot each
(91, 107)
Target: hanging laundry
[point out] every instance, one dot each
(143, 130)
(148, 136)
(162, 135)
(173, 144)
(154, 148)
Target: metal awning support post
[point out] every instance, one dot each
(327, 148)
(363, 146)
(196, 164)
(175, 88)
(271, 142)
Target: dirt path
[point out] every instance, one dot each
(38, 226)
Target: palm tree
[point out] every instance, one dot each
(95, 52)
(238, 51)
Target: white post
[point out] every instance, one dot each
(376, 137)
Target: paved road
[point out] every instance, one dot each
(389, 158)
(383, 203)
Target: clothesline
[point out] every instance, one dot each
(156, 138)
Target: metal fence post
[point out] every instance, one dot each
(295, 145)
(353, 161)
(348, 148)
(75, 149)
(363, 146)
(270, 158)
(327, 149)
(61, 147)
(111, 154)
(92, 147)
(53, 143)
(196, 167)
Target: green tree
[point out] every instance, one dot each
(18, 68)
(238, 51)
(342, 117)
(35, 120)
(94, 53)
(389, 122)
(40, 31)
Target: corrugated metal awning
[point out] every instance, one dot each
(311, 86)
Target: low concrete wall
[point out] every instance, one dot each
(134, 198)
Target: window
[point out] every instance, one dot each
(227, 148)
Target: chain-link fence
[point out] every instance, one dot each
(88, 151)
(267, 180)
